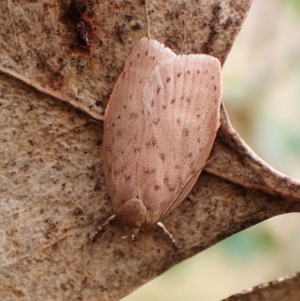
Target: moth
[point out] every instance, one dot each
(159, 128)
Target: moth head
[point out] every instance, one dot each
(133, 216)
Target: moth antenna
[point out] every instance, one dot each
(162, 226)
(96, 235)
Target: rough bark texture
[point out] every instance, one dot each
(52, 187)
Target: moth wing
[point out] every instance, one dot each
(124, 121)
(181, 103)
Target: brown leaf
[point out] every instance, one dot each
(283, 289)
(53, 189)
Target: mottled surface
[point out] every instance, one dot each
(76, 54)
(53, 193)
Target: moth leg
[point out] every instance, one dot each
(94, 237)
(132, 236)
(96, 121)
(162, 226)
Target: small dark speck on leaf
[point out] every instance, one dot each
(76, 9)
(120, 30)
(99, 103)
(128, 17)
(78, 211)
(136, 26)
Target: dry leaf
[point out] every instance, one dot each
(53, 192)
(282, 289)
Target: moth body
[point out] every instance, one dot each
(159, 128)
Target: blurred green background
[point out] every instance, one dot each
(262, 96)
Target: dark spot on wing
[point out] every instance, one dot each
(180, 180)
(162, 156)
(149, 171)
(118, 133)
(185, 132)
(156, 187)
(136, 150)
(133, 116)
(156, 120)
(193, 172)
(151, 143)
(127, 177)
